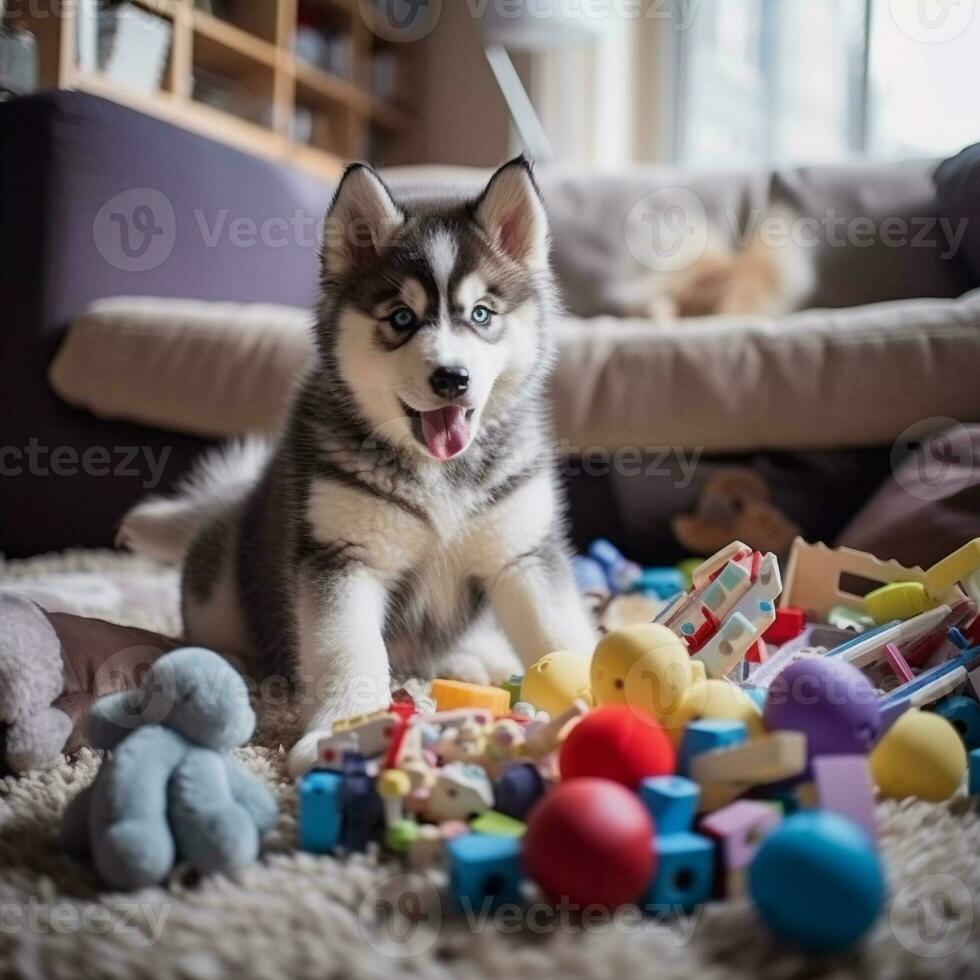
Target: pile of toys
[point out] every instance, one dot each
(735, 744)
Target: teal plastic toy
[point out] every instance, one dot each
(817, 881)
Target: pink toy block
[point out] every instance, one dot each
(739, 829)
(898, 664)
(844, 785)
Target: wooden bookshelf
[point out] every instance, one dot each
(233, 73)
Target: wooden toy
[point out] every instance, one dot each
(459, 694)
(716, 699)
(962, 566)
(320, 811)
(517, 789)
(964, 715)
(974, 784)
(484, 869)
(730, 606)
(495, 822)
(921, 755)
(556, 680)
(616, 743)
(739, 829)
(671, 802)
(685, 872)
(708, 735)
(589, 842)
(830, 701)
(817, 881)
(789, 623)
(844, 785)
(819, 578)
(767, 759)
(646, 667)
(898, 600)
(621, 573)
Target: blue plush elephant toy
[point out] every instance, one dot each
(168, 791)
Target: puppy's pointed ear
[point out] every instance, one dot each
(362, 217)
(512, 214)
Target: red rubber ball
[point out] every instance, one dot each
(615, 742)
(590, 842)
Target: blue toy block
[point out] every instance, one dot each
(320, 811)
(362, 806)
(963, 714)
(707, 735)
(484, 868)
(590, 575)
(672, 801)
(975, 772)
(660, 583)
(685, 872)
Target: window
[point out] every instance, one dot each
(812, 81)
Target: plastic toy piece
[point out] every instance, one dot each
(320, 811)
(709, 735)
(660, 583)
(839, 860)
(845, 618)
(817, 578)
(768, 759)
(964, 715)
(459, 694)
(921, 755)
(398, 836)
(898, 600)
(739, 829)
(331, 750)
(936, 682)
(974, 762)
(363, 808)
(590, 577)
(870, 648)
(671, 801)
(621, 574)
(898, 664)
(787, 625)
(544, 738)
(393, 786)
(513, 688)
(556, 680)
(425, 848)
(685, 872)
(518, 788)
(498, 824)
(484, 868)
(845, 786)
(461, 792)
(962, 566)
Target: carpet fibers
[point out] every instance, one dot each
(299, 915)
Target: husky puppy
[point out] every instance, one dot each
(413, 491)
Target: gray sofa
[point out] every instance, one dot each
(813, 402)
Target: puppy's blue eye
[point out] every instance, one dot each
(402, 319)
(481, 315)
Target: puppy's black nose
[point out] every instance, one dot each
(450, 382)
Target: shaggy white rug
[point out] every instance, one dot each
(298, 915)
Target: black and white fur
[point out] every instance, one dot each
(347, 552)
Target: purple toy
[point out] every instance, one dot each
(832, 702)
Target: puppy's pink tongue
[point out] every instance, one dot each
(445, 431)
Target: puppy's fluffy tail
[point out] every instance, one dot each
(164, 527)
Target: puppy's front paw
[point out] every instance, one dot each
(303, 755)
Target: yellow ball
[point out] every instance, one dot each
(556, 680)
(920, 755)
(715, 699)
(647, 667)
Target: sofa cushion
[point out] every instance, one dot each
(820, 379)
(958, 189)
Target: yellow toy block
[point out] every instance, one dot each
(899, 600)
(963, 565)
(714, 699)
(459, 694)
(766, 759)
(556, 680)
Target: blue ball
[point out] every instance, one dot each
(817, 881)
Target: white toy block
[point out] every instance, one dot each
(765, 759)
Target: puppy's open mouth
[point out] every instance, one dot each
(445, 432)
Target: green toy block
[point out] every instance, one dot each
(498, 824)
